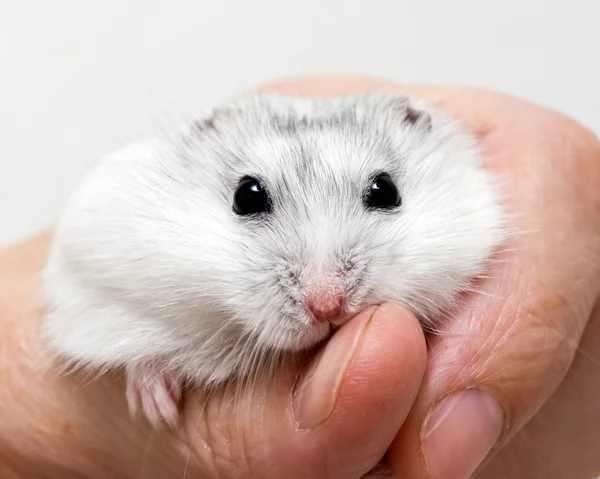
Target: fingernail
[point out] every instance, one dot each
(460, 433)
(316, 392)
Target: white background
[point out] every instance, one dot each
(80, 78)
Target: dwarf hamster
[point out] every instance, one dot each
(261, 227)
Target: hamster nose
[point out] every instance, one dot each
(325, 304)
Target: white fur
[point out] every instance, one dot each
(150, 262)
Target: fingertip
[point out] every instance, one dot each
(379, 386)
(401, 320)
(392, 350)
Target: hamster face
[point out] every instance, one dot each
(269, 223)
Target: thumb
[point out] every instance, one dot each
(337, 422)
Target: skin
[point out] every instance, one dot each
(530, 337)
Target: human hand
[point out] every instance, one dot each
(530, 308)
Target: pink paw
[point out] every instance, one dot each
(156, 393)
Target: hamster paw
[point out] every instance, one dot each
(156, 393)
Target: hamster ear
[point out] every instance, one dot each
(411, 113)
(417, 117)
(211, 122)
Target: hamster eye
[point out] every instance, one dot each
(250, 197)
(382, 193)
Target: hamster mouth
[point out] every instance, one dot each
(312, 333)
(308, 336)
(317, 334)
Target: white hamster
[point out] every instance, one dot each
(260, 228)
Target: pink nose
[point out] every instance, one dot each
(324, 304)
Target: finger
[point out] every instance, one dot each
(497, 362)
(343, 414)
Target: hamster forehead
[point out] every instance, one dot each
(301, 150)
(315, 169)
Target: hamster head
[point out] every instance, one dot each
(273, 220)
(336, 205)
